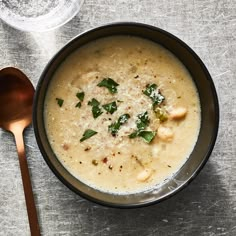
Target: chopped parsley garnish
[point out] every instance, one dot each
(114, 127)
(78, 105)
(80, 96)
(60, 102)
(88, 134)
(96, 110)
(153, 93)
(134, 134)
(123, 118)
(110, 84)
(147, 135)
(94, 102)
(142, 123)
(110, 107)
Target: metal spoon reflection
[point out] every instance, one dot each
(16, 100)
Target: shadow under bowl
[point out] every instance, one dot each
(209, 116)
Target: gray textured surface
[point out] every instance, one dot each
(207, 207)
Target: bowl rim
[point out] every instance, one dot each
(213, 136)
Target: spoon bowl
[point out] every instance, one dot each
(16, 99)
(16, 93)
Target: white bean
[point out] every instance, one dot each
(178, 113)
(165, 133)
(144, 175)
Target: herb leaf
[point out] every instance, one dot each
(114, 127)
(134, 134)
(123, 118)
(60, 102)
(80, 96)
(96, 110)
(78, 105)
(152, 92)
(147, 135)
(110, 84)
(110, 107)
(94, 102)
(88, 134)
(143, 121)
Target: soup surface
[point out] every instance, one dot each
(122, 114)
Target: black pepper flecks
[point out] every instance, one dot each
(87, 149)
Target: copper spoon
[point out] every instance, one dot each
(16, 99)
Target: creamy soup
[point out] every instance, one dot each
(122, 114)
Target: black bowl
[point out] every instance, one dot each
(209, 116)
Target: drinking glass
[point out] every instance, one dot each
(38, 15)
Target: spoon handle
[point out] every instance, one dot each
(29, 197)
